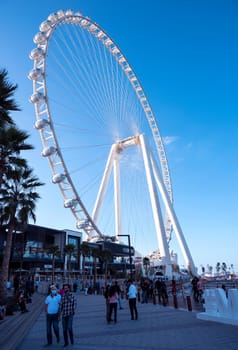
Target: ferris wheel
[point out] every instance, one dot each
(99, 133)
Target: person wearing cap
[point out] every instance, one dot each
(52, 303)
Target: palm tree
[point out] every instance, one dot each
(13, 141)
(96, 253)
(218, 267)
(54, 251)
(224, 268)
(106, 257)
(146, 264)
(85, 251)
(17, 204)
(69, 251)
(7, 103)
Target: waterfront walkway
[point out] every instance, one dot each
(158, 327)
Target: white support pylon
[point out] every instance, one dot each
(103, 185)
(156, 209)
(175, 223)
(117, 194)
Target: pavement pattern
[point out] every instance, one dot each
(157, 328)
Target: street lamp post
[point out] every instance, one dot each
(129, 245)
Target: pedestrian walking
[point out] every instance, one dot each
(173, 286)
(132, 292)
(158, 288)
(200, 290)
(52, 303)
(2, 311)
(36, 285)
(113, 301)
(75, 287)
(67, 310)
(119, 293)
(164, 293)
(16, 284)
(145, 288)
(22, 302)
(174, 292)
(195, 288)
(106, 296)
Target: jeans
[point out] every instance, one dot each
(52, 319)
(67, 324)
(144, 296)
(119, 301)
(133, 308)
(112, 307)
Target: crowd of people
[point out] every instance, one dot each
(23, 290)
(113, 295)
(61, 303)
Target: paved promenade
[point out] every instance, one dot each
(158, 327)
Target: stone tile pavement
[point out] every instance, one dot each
(158, 328)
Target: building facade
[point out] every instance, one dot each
(30, 252)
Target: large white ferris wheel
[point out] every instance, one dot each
(100, 135)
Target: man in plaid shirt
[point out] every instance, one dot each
(67, 310)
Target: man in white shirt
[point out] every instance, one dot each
(52, 303)
(132, 293)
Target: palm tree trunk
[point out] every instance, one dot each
(105, 272)
(83, 271)
(53, 270)
(5, 263)
(1, 175)
(94, 271)
(3, 162)
(69, 268)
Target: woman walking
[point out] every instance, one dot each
(112, 301)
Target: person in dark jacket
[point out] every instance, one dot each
(67, 309)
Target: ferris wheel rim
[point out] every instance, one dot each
(40, 97)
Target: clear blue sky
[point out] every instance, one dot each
(185, 54)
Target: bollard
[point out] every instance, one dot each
(175, 301)
(189, 304)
